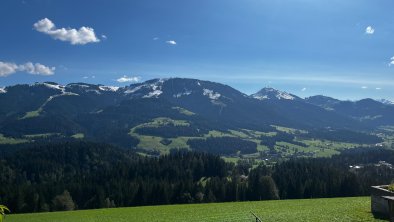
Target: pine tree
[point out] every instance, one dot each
(63, 201)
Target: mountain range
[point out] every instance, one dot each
(106, 113)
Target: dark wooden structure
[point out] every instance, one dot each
(390, 202)
(382, 202)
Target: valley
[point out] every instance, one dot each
(158, 115)
(196, 110)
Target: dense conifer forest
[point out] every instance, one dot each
(223, 145)
(82, 175)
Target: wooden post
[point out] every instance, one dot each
(257, 218)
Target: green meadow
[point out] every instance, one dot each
(332, 209)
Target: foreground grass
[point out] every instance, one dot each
(334, 209)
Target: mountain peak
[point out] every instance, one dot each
(53, 85)
(148, 89)
(109, 88)
(273, 94)
(321, 100)
(322, 97)
(385, 101)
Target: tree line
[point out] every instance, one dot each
(223, 145)
(83, 175)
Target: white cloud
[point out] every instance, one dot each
(171, 42)
(36, 69)
(391, 61)
(104, 37)
(76, 37)
(87, 77)
(8, 68)
(128, 79)
(378, 88)
(155, 38)
(369, 30)
(364, 87)
(303, 89)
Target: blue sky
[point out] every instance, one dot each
(306, 47)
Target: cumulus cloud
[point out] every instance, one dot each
(369, 30)
(36, 69)
(125, 78)
(378, 88)
(81, 36)
(391, 61)
(104, 37)
(155, 38)
(8, 68)
(303, 89)
(171, 42)
(364, 87)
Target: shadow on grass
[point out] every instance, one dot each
(380, 216)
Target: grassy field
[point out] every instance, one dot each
(32, 114)
(314, 148)
(289, 130)
(78, 136)
(387, 133)
(334, 209)
(9, 140)
(184, 111)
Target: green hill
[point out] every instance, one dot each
(333, 209)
